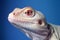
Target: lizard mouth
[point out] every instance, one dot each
(27, 22)
(19, 21)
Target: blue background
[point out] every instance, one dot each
(50, 8)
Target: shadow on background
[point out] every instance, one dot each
(50, 8)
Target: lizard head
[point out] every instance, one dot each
(27, 18)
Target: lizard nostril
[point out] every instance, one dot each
(14, 14)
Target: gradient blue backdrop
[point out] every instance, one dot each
(50, 8)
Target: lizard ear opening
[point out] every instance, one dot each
(41, 22)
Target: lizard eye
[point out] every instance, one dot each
(29, 13)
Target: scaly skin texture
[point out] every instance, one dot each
(32, 23)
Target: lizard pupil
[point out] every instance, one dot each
(29, 12)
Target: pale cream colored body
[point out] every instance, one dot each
(32, 21)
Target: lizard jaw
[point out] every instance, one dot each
(21, 21)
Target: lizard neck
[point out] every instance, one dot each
(41, 34)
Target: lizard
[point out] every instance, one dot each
(33, 23)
